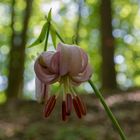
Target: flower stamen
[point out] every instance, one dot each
(68, 104)
(64, 114)
(81, 105)
(49, 106)
(77, 108)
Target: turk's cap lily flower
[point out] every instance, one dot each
(67, 60)
(69, 66)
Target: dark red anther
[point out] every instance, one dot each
(77, 108)
(49, 106)
(68, 104)
(64, 115)
(81, 105)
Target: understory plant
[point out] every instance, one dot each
(69, 66)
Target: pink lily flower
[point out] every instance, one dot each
(68, 66)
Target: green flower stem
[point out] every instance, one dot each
(47, 37)
(102, 100)
(108, 111)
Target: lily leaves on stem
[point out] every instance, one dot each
(53, 36)
(41, 37)
(52, 29)
(44, 29)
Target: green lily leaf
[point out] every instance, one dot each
(49, 15)
(41, 36)
(53, 36)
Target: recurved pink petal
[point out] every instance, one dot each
(70, 59)
(75, 83)
(50, 60)
(45, 58)
(84, 76)
(54, 64)
(75, 65)
(41, 91)
(64, 59)
(84, 60)
(44, 75)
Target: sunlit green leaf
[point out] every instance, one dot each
(41, 36)
(53, 35)
(49, 15)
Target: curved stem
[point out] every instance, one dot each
(108, 111)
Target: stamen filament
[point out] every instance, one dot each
(63, 92)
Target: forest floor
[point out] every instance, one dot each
(23, 120)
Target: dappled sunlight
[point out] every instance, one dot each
(129, 39)
(55, 5)
(3, 83)
(5, 10)
(3, 97)
(119, 59)
(9, 129)
(4, 49)
(123, 97)
(125, 11)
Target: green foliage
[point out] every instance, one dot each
(41, 37)
(49, 15)
(53, 36)
(74, 133)
(2, 97)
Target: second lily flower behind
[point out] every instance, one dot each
(68, 66)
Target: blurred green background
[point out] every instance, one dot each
(108, 30)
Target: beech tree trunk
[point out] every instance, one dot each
(107, 48)
(17, 52)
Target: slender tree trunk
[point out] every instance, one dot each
(17, 53)
(77, 37)
(108, 66)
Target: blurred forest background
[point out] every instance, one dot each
(108, 30)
